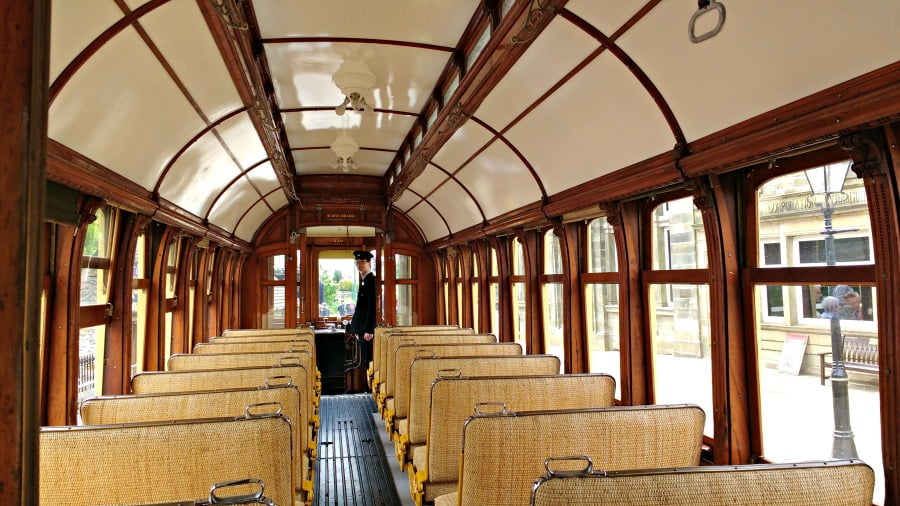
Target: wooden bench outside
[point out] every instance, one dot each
(859, 356)
(114, 409)
(503, 453)
(845, 482)
(166, 461)
(435, 465)
(397, 406)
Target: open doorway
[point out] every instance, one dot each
(338, 284)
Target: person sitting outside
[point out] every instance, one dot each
(323, 310)
(831, 306)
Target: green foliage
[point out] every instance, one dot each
(330, 282)
(345, 285)
(338, 276)
(92, 240)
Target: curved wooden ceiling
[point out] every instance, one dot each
(148, 89)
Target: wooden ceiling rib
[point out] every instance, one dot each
(652, 89)
(243, 174)
(331, 108)
(449, 177)
(386, 42)
(75, 65)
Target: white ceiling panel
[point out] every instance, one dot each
(407, 200)
(319, 161)
(251, 222)
(242, 139)
(277, 200)
(302, 73)
(134, 4)
(608, 17)
(559, 48)
(465, 141)
(429, 221)
(428, 180)
(178, 25)
(423, 21)
(619, 126)
(199, 174)
(307, 129)
(73, 26)
(232, 204)
(499, 180)
(122, 110)
(456, 206)
(264, 178)
(806, 46)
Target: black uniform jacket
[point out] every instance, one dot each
(364, 316)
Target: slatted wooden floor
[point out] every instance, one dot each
(351, 468)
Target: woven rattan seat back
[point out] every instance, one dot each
(423, 371)
(159, 462)
(267, 332)
(264, 337)
(452, 401)
(193, 362)
(192, 405)
(381, 332)
(391, 338)
(406, 353)
(503, 453)
(299, 344)
(845, 482)
(389, 372)
(194, 381)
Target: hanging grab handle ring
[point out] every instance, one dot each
(705, 6)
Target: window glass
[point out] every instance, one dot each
(91, 342)
(518, 255)
(478, 47)
(275, 268)
(171, 268)
(797, 226)
(495, 309)
(602, 304)
(406, 305)
(553, 319)
(601, 247)
(273, 317)
(475, 305)
(678, 240)
(96, 256)
(518, 305)
(139, 300)
(795, 391)
(552, 254)
(682, 367)
(404, 266)
(446, 303)
(495, 269)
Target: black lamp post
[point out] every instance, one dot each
(829, 181)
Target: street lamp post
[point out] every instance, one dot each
(829, 181)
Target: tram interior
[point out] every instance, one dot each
(643, 233)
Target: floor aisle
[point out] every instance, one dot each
(351, 468)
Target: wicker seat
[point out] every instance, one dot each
(308, 337)
(390, 336)
(846, 482)
(500, 460)
(205, 380)
(406, 352)
(304, 350)
(223, 403)
(267, 332)
(305, 359)
(388, 370)
(425, 370)
(160, 462)
(435, 465)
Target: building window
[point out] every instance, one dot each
(494, 280)
(473, 289)
(273, 292)
(140, 290)
(517, 280)
(552, 296)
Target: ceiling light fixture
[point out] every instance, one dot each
(344, 147)
(355, 81)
